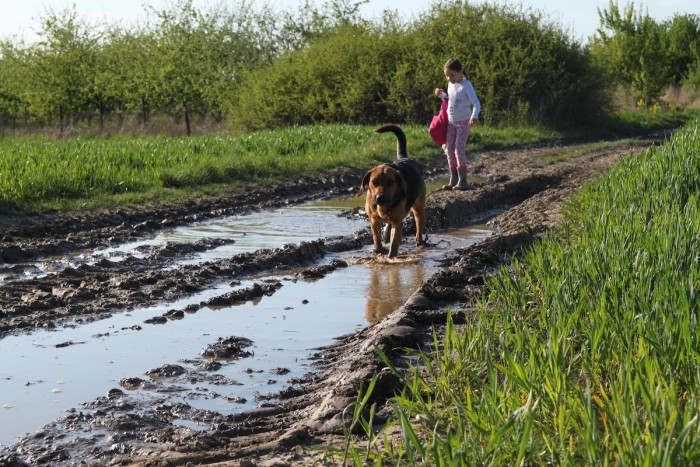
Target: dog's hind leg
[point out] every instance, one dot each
(386, 233)
(419, 217)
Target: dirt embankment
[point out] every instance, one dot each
(522, 198)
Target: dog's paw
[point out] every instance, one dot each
(380, 250)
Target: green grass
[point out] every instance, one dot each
(75, 173)
(564, 153)
(585, 351)
(39, 174)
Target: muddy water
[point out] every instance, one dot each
(266, 229)
(47, 373)
(252, 232)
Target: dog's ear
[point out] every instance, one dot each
(365, 183)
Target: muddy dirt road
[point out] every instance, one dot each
(520, 191)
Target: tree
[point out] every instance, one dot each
(682, 45)
(308, 24)
(12, 79)
(523, 69)
(105, 86)
(184, 46)
(629, 45)
(239, 40)
(63, 64)
(132, 63)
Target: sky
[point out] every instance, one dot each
(579, 18)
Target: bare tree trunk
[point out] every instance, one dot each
(144, 112)
(60, 118)
(188, 128)
(101, 108)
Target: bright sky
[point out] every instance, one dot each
(578, 17)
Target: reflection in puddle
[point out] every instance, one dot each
(388, 287)
(41, 377)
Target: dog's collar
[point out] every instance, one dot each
(391, 208)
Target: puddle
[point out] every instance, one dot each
(49, 372)
(252, 232)
(240, 234)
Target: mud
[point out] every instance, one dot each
(521, 198)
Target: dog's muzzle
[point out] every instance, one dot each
(381, 199)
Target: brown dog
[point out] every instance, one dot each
(394, 189)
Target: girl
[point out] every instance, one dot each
(462, 113)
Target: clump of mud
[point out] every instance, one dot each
(228, 348)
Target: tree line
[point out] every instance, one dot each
(247, 68)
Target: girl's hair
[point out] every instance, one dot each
(454, 65)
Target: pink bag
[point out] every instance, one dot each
(438, 126)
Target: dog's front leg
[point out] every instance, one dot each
(376, 226)
(396, 234)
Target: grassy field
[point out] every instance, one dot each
(585, 351)
(89, 173)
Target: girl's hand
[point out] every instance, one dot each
(472, 122)
(439, 92)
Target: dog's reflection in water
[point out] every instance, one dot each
(391, 284)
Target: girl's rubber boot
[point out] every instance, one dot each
(462, 182)
(453, 180)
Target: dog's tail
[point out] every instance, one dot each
(401, 152)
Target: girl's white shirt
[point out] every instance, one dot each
(462, 101)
